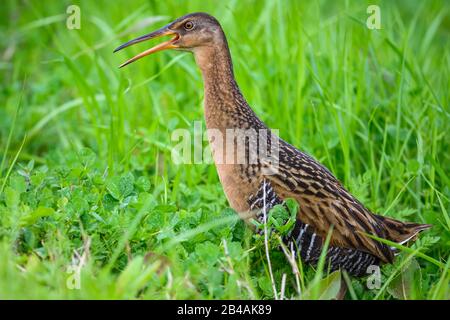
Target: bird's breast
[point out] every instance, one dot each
(239, 178)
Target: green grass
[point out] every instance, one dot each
(86, 176)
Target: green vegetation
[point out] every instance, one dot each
(86, 177)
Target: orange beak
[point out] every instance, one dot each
(165, 31)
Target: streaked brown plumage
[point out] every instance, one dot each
(323, 200)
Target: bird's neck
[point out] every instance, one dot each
(225, 106)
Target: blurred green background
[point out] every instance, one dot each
(87, 177)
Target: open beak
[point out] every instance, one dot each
(164, 31)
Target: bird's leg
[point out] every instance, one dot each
(342, 290)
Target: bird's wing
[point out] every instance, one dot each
(324, 202)
(304, 240)
(307, 241)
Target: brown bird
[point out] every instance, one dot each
(254, 187)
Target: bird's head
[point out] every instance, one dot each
(189, 33)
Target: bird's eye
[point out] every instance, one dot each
(188, 25)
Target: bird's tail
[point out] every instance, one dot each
(401, 232)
